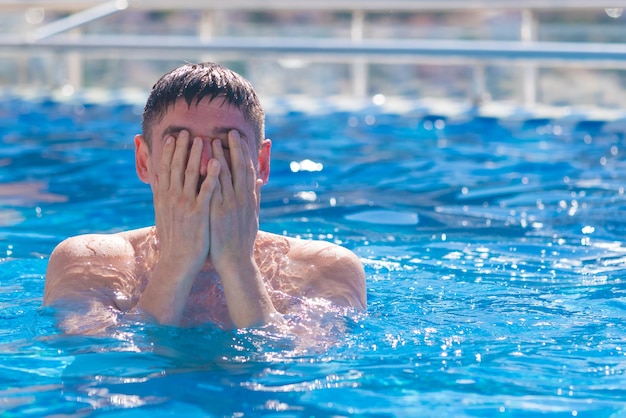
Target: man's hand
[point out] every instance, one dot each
(181, 208)
(234, 208)
(182, 223)
(234, 226)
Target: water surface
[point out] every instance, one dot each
(493, 247)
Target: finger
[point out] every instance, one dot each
(209, 189)
(192, 172)
(225, 178)
(179, 160)
(166, 163)
(250, 178)
(237, 160)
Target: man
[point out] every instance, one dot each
(204, 154)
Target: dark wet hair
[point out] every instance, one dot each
(194, 82)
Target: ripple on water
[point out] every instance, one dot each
(493, 251)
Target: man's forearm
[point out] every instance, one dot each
(249, 303)
(166, 293)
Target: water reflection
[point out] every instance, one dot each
(28, 193)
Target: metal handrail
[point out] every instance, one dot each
(544, 53)
(329, 5)
(80, 18)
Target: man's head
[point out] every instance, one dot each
(205, 101)
(194, 82)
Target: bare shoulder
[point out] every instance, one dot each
(321, 252)
(90, 247)
(332, 272)
(79, 263)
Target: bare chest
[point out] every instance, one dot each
(284, 280)
(207, 303)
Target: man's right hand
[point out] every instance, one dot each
(181, 207)
(182, 224)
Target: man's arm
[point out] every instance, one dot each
(194, 215)
(338, 275)
(182, 224)
(88, 282)
(234, 227)
(342, 278)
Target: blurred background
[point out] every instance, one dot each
(551, 52)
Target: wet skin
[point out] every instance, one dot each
(205, 259)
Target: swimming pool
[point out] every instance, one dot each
(493, 247)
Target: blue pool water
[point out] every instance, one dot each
(493, 247)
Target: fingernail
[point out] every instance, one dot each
(168, 140)
(235, 133)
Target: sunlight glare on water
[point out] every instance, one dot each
(493, 249)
